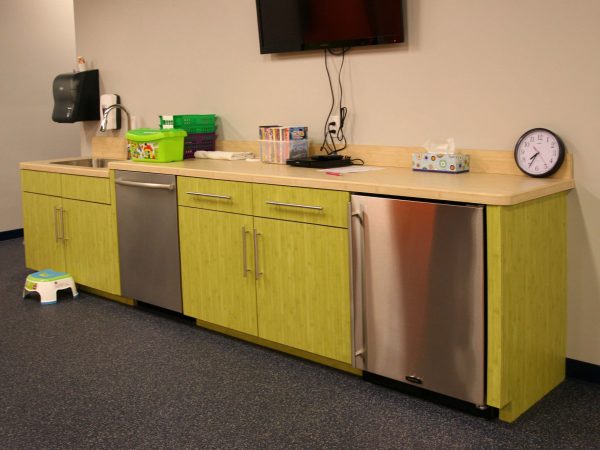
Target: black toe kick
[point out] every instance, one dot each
(441, 399)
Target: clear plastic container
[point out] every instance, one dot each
(278, 152)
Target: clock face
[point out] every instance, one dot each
(539, 152)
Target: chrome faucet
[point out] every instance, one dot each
(108, 110)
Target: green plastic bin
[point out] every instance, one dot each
(192, 123)
(151, 145)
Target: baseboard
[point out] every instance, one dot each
(583, 370)
(11, 234)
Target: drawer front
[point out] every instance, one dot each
(40, 182)
(89, 189)
(217, 195)
(318, 206)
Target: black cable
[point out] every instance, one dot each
(343, 110)
(330, 147)
(325, 145)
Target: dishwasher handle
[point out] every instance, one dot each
(169, 187)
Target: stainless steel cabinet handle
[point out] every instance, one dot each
(169, 187)
(244, 252)
(202, 194)
(294, 205)
(56, 235)
(359, 348)
(257, 272)
(62, 225)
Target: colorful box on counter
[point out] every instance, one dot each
(440, 162)
(279, 133)
(151, 145)
(278, 144)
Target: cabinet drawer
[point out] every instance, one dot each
(40, 182)
(307, 205)
(89, 189)
(218, 195)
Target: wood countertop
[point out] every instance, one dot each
(482, 187)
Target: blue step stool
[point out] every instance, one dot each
(46, 283)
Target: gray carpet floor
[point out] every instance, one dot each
(92, 373)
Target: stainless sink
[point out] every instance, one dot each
(86, 162)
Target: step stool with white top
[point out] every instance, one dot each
(47, 282)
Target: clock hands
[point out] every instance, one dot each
(533, 157)
(538, 153)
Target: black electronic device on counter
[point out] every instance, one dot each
(76, 97)
(321, 161)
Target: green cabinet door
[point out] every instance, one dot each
(303, 290)
(217, 268)
(90, 243)
(43, 232)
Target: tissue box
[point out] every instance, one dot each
(440, 162)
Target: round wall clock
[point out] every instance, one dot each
(539, 152)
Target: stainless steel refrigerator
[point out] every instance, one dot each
(418, 294)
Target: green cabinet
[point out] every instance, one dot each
(303, 289)
(217, 282)
(43, 244)
(526, 302)
(90, 243)
(269, 276)
(72, 230)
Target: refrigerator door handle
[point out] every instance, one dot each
(358, 295)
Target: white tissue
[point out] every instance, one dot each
(232, 156)
(438, 146)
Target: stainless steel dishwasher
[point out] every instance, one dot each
(419, 299)
(148, 238)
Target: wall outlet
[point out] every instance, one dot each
(334, 125)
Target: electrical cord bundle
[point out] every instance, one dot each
(331, 138)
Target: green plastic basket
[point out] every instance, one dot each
(150, 145)
(192, 123)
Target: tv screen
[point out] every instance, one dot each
(295, 25)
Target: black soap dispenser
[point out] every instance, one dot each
(76, 97)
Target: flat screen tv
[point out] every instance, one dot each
(296, 25)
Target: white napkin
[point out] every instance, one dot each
(203, 154)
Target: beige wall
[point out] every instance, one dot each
(482, 72)
(38, 43)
